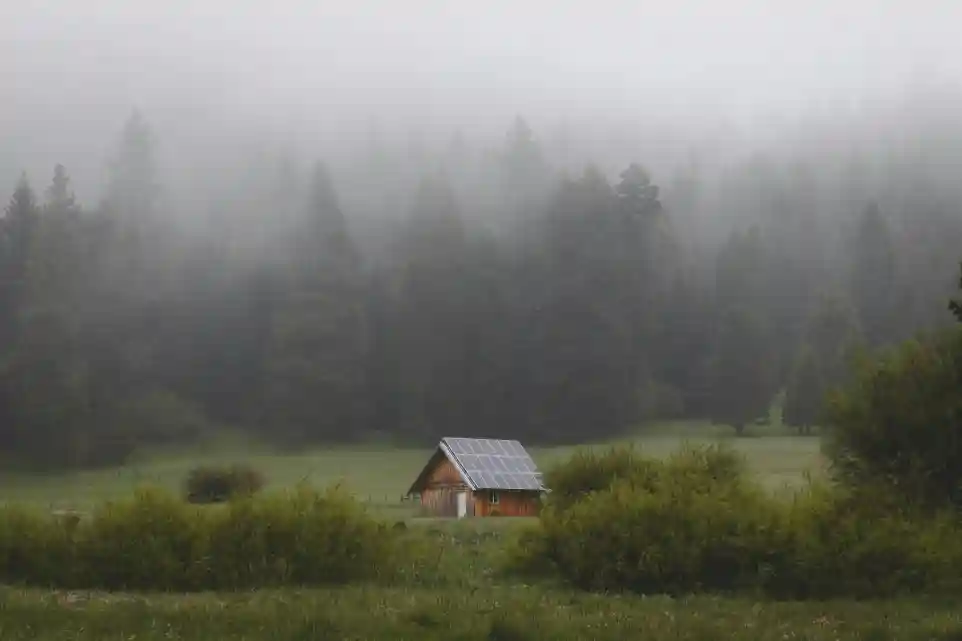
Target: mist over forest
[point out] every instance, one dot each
(343, 223)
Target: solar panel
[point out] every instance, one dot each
(494, 464)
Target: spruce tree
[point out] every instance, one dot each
(805, 394)
(17, 230)
(742, 371)
(872, 276)
(316, 377)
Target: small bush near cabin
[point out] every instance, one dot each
(685, 524)
(586, 472)
(301, 538)
(212, 484)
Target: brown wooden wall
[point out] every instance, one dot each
(444, 473)
(439, 496)
(510, 503)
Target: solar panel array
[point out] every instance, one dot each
(494, 464)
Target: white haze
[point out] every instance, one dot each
(641, 79)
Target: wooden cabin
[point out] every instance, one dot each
(479, 477)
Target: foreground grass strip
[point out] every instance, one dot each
(514, 613)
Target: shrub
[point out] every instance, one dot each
(841, 543)
(689, 522)
(586, 472)
(697, 523)
(899, 422)
(154, 541)
(150, 541)
(301, 537)
(218, 484)
(35, 549)
(673, 539)
(703, 468)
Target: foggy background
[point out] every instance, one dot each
(321, 221)
(620, 78)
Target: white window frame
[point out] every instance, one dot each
(493, 497)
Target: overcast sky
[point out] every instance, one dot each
(72, 68)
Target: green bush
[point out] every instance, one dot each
(841, 543)
(620, 521)
(671, 540)
(35, 548)
(150, 541)
(702, 468)
(697, 523)
(302, 537)
(899, 422)
(213, 484)
(586, 472)
(154, 541)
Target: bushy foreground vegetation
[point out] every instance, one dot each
(155, 541)
(696, 523)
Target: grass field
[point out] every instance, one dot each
(379, 475)
(497, 613)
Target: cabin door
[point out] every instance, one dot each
(462, 504)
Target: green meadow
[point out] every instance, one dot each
(380, 475)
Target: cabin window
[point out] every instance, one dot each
(493, 497)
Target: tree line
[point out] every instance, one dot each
(582, 309)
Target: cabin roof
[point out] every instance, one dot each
(486, 464)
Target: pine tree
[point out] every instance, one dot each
(805, 393)
(59, 195)
(872, 275)
(637, 192)
(17, 230)
(132, 189)
(525, 176)
(584, 352)
(833, 333)
(50, 373)
(56, 263)
(318, 340)
(742, 371)
(430, 312)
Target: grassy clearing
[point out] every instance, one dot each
(506, 613)
(378, 475)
